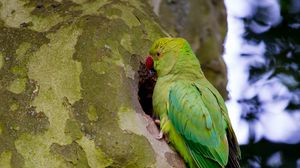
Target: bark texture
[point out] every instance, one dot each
(68, 85)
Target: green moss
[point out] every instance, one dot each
(79, 1)
(13, 13)
(110, 65)
(72, 153)
(21, 51)
(73, 129)
(111, 12)
(52, 66)
(17, 86)
(78, 79)
(1, 60)
(144, 7)
(153, 29)
(19, 71)
(51, 7)
(92, 113)
(50, 13)
(34, 15)
(17, 116)
(37, 147)
(96, 158)
(14, 107)
(14, 68)
(58, 77)
(5, 159)
(44, 24)
(128, 120)
(90, 8)
(104, 66)
(126, 42)
(126, 14)
(101, 67)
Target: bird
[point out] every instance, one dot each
(192, 114)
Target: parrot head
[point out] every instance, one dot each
(168, 55)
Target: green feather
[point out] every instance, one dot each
(192, 117)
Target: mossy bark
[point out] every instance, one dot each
(68, 85)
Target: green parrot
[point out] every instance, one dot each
(192, 113)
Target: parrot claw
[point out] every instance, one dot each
(160, 135)
(157, 122)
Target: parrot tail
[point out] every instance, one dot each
(234, 150)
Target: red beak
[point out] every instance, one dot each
(149, 62)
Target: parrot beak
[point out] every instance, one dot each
(149, 62)
(149, 65)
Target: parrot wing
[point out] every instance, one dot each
(234, 149)
(196, 115)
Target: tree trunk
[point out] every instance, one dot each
(69, 84)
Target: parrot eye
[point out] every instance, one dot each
(158, 54)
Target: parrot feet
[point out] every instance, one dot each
(159, 136)
(157, 122)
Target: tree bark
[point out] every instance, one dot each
(69, 83)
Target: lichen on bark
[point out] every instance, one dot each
(68, 84)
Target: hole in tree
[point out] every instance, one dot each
(146, 87)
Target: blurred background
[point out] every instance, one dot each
(258, 73)
(262, 51)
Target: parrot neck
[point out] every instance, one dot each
(190, 73)
(182, 70)
(188, 66)
(181, 63)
